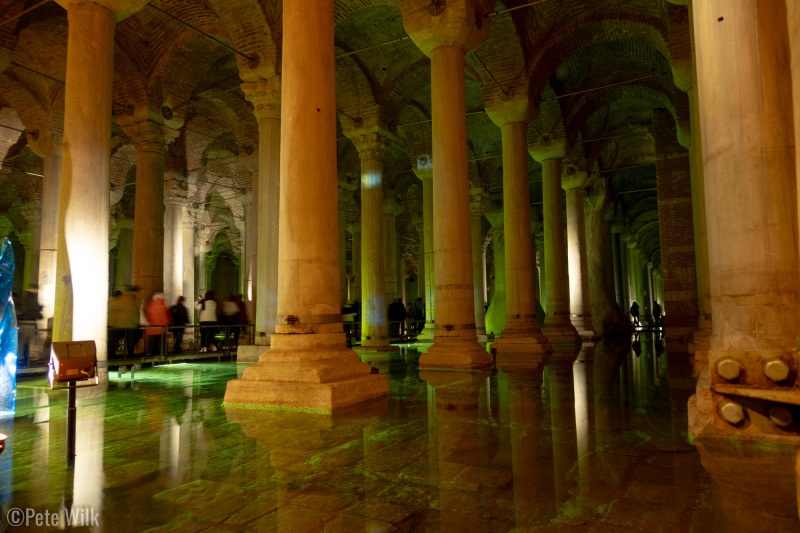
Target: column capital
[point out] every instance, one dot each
(392, 207)
(573, 178)
(45, 143)
(513, 108)
(265, 95)
(371, 143)
(545, 149)
(477, 200)
(437, 23)
(495, 218)
(353, 228)
(422, 167)
(150, 136)
(122, 8)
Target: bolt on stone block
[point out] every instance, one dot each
(728, 369)
(731, 412)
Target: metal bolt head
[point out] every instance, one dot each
(728, 368)
(776, 370)
(730, 412)
(781, 416)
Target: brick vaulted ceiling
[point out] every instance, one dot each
(597, 72)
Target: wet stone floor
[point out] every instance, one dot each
(596, 442)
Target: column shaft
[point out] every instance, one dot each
(308, 365)
(267, 204)
(557, 327)
(187, 275)
(82, 271)
(374, 318)
(148, 222)
(478, 276)
(427, 246)
(173, 252)
(455, 342)
(579, 307)
(51, 184)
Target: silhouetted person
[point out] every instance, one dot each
(635, 313)
(180, 317)
(418, 314)
(397, 313)
(657, 318)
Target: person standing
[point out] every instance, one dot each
(158, 318)
(635, 314)
(657, 320)
(418, 314)
(180, 317)
(207, 306)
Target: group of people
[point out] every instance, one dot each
(398, 315)
(126, 317)
(658, 317)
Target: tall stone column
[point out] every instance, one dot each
(82, 265)
(308, 365)
(148, 220)
(477, 197)
(125, 253)
(496, 313)
(188, 226)
(751, 198)
(521, 344)
(625, 268)
(445, 38)
(615, 257)
(426, 176)
(202, 275)
(539, 239)
(33, 214)
(342, 242)
(557, 326)
(391, 264)
(265, 94)
(374, 318)
(574, 182)
(173, 249)
(355, 288)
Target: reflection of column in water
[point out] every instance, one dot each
(90, 427)
(560, 383)
(462, 444)
(40, 465)
(581, 370)
(533, 481)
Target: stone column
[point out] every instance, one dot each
(308, 365)
(342, 242)
(445, 38)
(615, 257)
(355, 288)
(82, 265)
(188, 226)
(250, 244)
(496, 313)
(426, 176)
(148, 220)
(574, 182)
(202, 276)
(557, 326)
(751, 198)
(49, 148)
(477, 197)
(33, 214)
(521, 344)
(539, 239)
(125, 253)
(265, 94)
(374, 318)
(391, 260)
(625, 268)
(173, 249)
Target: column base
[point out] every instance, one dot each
(583, 324)
(521, 346)
(456, 353)
(375, 343)
(427, 333)
(561, 332)
(318, 376)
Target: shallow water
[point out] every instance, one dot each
(595, 442)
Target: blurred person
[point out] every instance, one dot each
(230, 310)
(158, 318)
(180, 317)
(123, 319)
(207, 306)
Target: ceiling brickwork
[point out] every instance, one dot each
(594, 71)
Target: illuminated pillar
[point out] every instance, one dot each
(496, 313)
(374, 319)
(33, 215)
(445, 38)
(574, 182)
(173, 249)
(557, 326)
(355, 288)
(477, 197)
(521, 344)
(391, 260)
(48, 146)
(82, 266)
(265, 94)
(148, 220)
(342, 242)
(425, 174)
(188, 226)
(308, 365)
